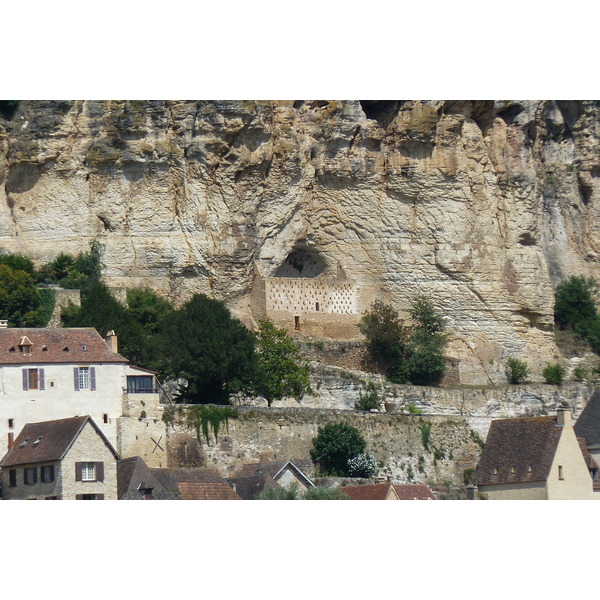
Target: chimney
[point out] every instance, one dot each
(563, 416)
(111, 341)
(3, 323)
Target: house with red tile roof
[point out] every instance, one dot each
(64, 459)
(535, 458)
(48, 374)
(414, 491)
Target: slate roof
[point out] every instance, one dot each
(194, 483)
(55, 439)
(273, 468)
(56, 346)
(525, 445)
(414, 491)
(133, 473)
(588, 423)
(247, 488)
(375, 491)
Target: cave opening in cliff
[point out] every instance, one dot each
(382, 111)
(302, 262)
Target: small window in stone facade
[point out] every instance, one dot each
(88, 471)
(30, 475)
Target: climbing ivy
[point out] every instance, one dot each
(204, 417)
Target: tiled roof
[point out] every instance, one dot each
(588, 423)
(49, 346)
(207, 491)
(590, 463)
(519, 450)
(47, 441)
(414, 491)
(375, 491)
(195, 483)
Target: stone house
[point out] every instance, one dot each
(253, 478)
(64, 459)
(48, 374)
(535, 458)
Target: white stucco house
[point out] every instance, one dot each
(49, 374)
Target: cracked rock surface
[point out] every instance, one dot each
(483, 206)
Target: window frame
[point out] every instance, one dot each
(27, 472)
(47, 473)
(88, 471)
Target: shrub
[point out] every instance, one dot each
(334, 446)
(518, 370)
(369, 401)
(554, 373)
(362, 465)
(580, 374)
(325, 493)
(280, 493)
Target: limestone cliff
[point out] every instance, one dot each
(482, 205)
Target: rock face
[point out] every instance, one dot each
(483, 206)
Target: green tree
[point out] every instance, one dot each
(147, 308)
(412, 354)
(280, 493)
(574, 302)
(20, 302)
(18, 262)
(281, 373)
(371, 400)
(202, 344)
(386, 336)
(334, 446)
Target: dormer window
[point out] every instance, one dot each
(25, 345)
(66, 349)
(495, 472)
(26, 349)
(36, 443)
(84, 347)
(12, 349)
(44, 348)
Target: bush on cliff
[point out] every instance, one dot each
(518, 371)
(574, 302)
(407, 354)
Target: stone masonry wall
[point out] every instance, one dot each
(396, 441)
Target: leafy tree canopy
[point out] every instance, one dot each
(20, 302)
(208, 348)
(407, 354)
(281, 372)
(574, 302)
(334, 446)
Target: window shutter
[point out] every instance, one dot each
(78, 471)
(78, 496)
(76, 378)
(25, 380)
(99, 471)
(99, 496)
(35, 474)
(51, 469)
(93, 379)
(42, 381)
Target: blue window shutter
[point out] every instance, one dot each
(42, 380)
(76, 378)
(93, 379)
(25, 380)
